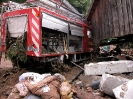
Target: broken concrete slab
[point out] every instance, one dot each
(109, 82)
(110, 67)
(124, 91)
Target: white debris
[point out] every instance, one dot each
(109, 82)
(33, 77)
(110, 67)
(124, 91)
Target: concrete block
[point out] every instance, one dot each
(110, 67)
(109, 82)
(124, 91)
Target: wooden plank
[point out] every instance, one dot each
(130, 17)
(104, 14)
(98, 25)
(110, 16)
(115, 18)
(100, 20)
(125, 14)
(106, 20)
(131, 14)
(95, 25)
(103, 18)
(120, 15)
(93, 29)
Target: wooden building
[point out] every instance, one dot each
(111, 19)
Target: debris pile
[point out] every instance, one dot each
(47, 86)
(110, 67)
(112, 85)
(115, 52)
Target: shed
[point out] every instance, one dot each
(111, 19)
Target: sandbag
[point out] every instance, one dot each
(31, 76)
(52, 93)
(47, 88)
(60, 77)
(22, 89)
(14, 94)
(34, 87)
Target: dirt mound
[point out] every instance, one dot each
(8, 78)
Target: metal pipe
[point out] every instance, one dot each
(75, 77)
(77, 65)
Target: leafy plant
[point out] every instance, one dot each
(81, 5)
(17, 51)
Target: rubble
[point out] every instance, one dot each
(110, 67)
(109, 82)
(45, 86)
(90, 81)
(124, 91)
(66, 90)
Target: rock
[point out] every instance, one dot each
(110, 82)
(124, 91)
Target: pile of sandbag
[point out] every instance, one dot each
(46, 86)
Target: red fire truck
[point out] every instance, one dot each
(48, 30)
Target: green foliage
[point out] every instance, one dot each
(19, 1)
(17, 51)
(81, 5)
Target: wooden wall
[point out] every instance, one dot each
(112, 18)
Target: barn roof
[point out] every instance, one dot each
(92, 9)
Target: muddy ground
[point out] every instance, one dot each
(9, 77)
